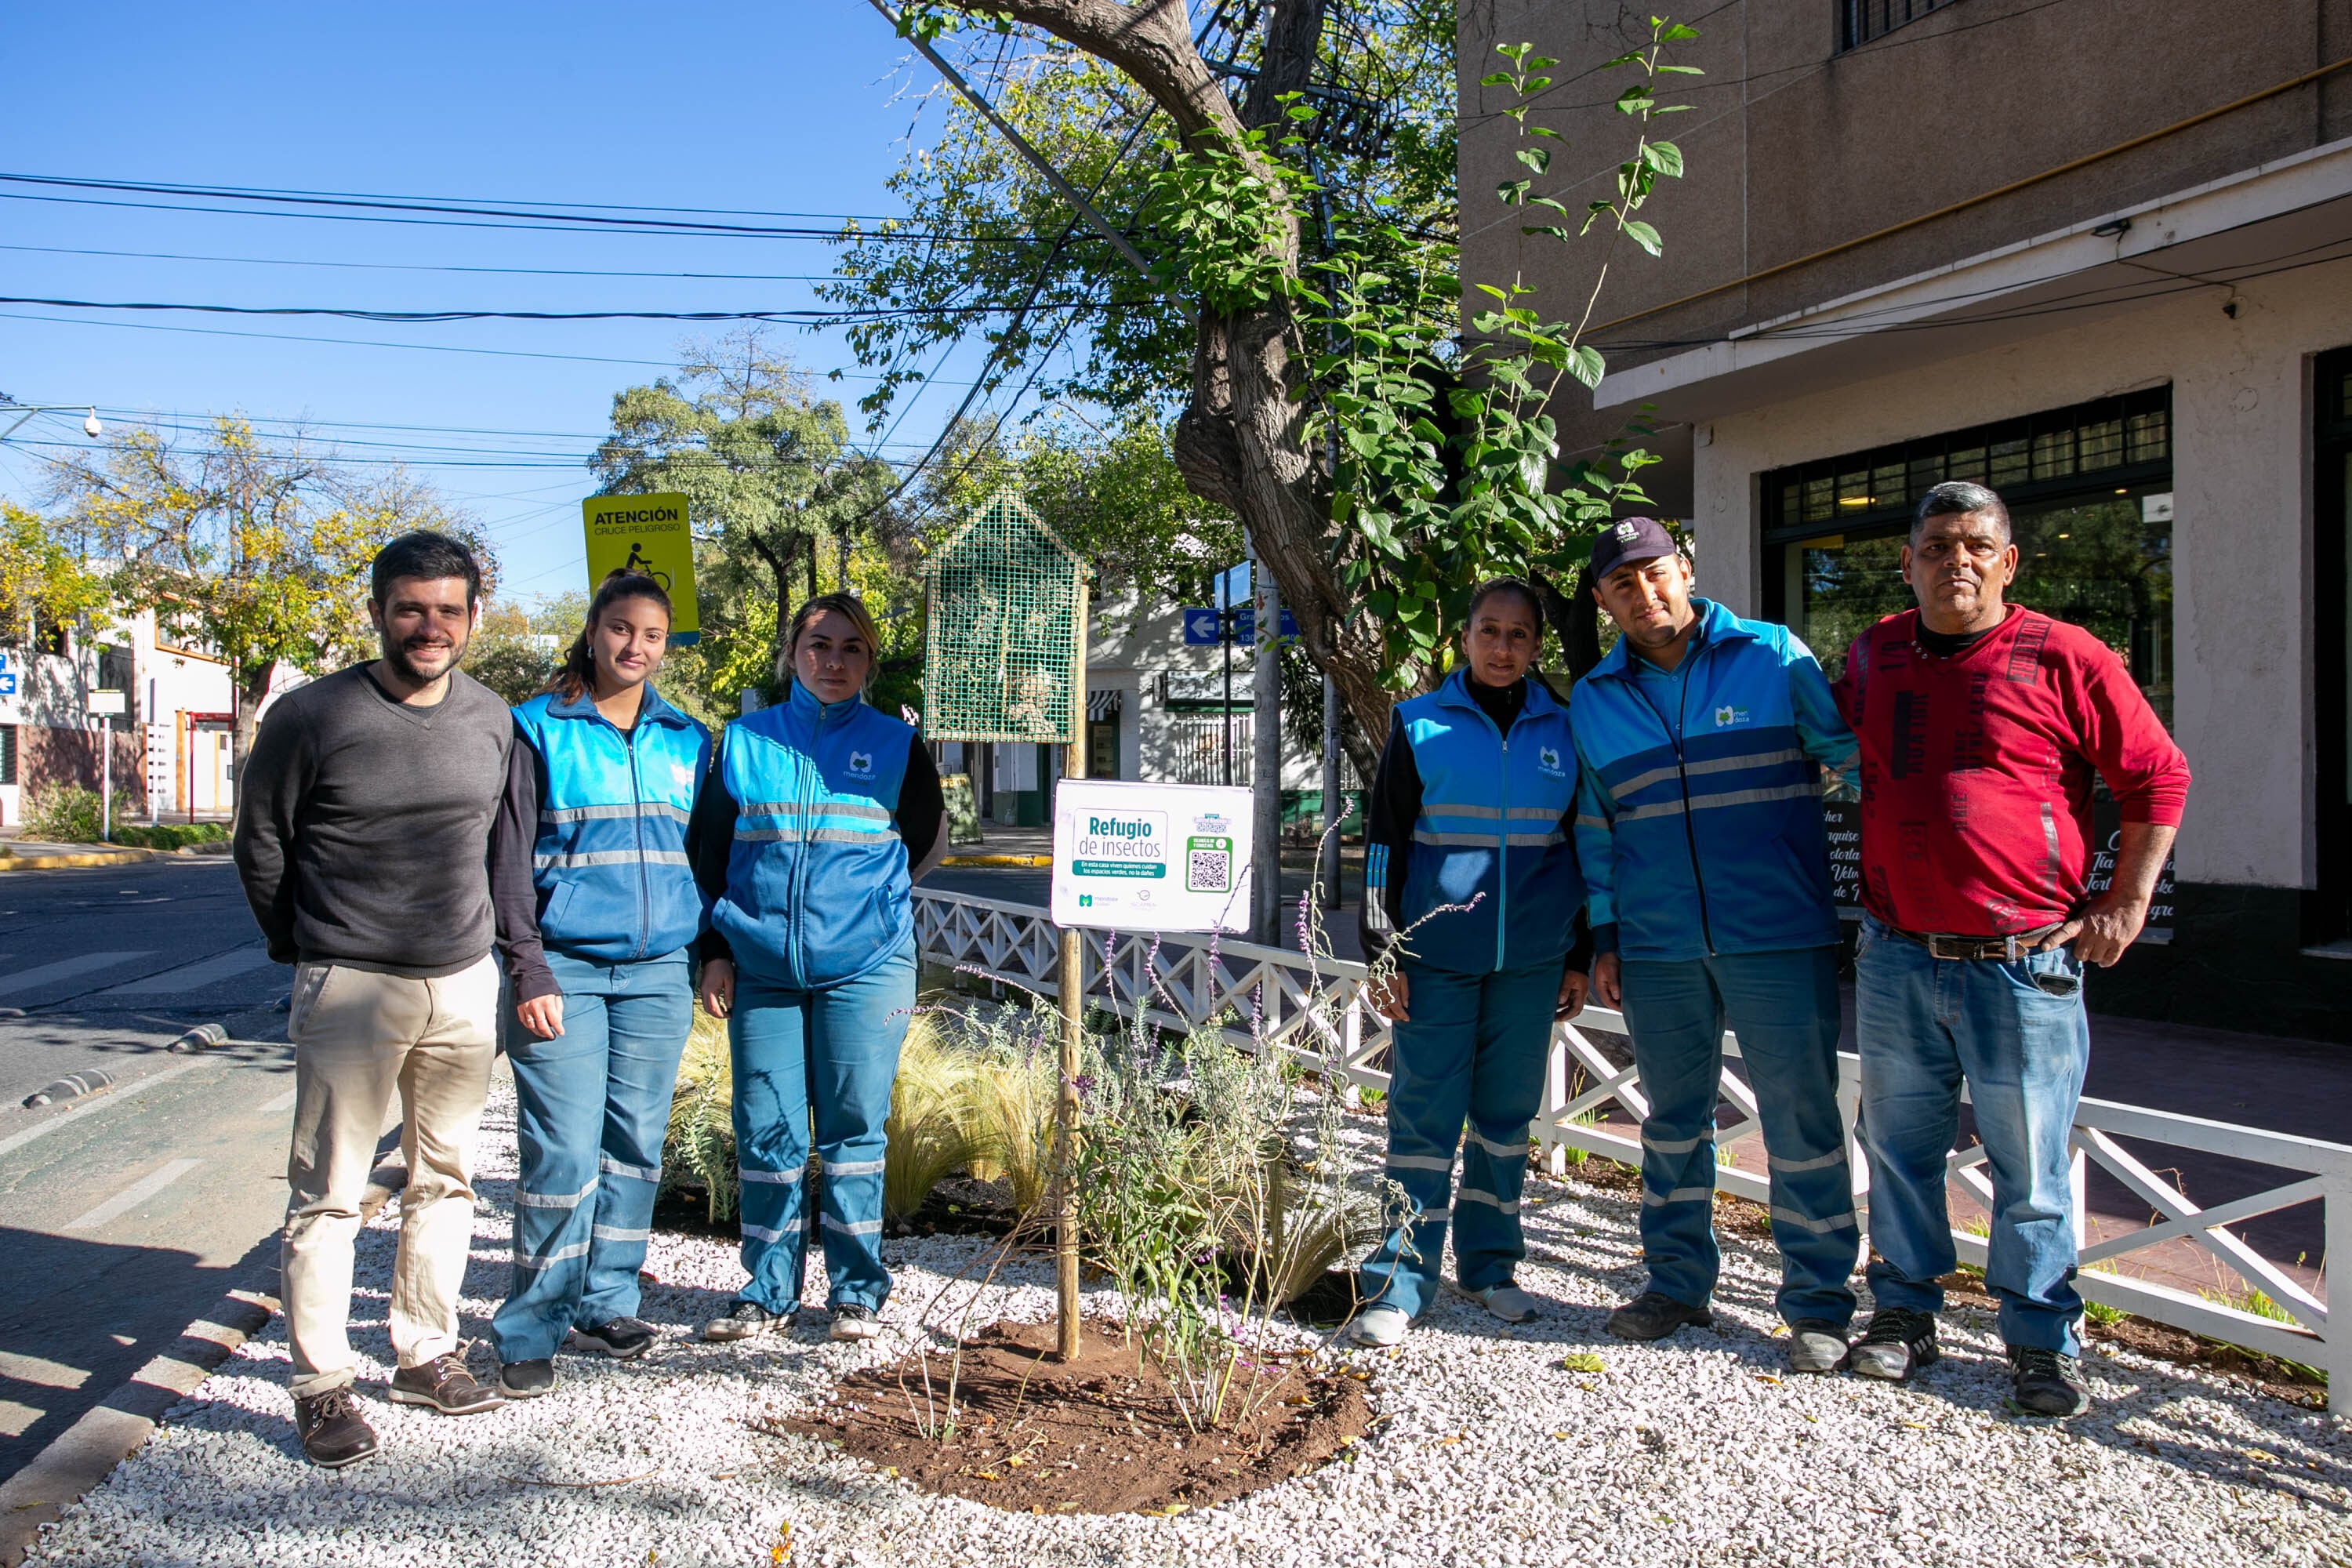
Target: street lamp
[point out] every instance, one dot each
(24, 411)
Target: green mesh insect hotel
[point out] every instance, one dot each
(1004, 631)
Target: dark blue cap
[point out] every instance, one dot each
(1630, 539)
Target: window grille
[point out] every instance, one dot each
(1859, 21)
(8, 753)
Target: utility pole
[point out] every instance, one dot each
(1265, 781)
(1226, 642)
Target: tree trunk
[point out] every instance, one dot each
(248, 692)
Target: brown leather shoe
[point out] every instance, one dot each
(333, 1432)
(444, 1385)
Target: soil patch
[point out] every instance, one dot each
(1099, 1435)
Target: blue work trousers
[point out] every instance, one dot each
(833, 1053)
(1470, 1057)
(2017, 1034)
(1784, 1008)
(591, 1109)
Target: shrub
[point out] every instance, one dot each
(933, 1124)
(699, 1151)
(170, 835)
(67, 814)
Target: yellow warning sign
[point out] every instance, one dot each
(647, 534)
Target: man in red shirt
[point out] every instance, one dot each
(1981, 724)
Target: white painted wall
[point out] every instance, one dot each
(2243, 505)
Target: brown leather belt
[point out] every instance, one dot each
(1977, 949)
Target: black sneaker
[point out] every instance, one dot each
(1652, 1315)
(2046, 1382)
(333, 1432)
(1898, 1341)
(746, 1321)
(623, 1338)
(527, 1379)
(854, 1323)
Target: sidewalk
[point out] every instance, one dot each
(32, 854)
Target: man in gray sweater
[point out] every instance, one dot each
(362, 836)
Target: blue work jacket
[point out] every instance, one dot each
(1698, 804)
(817, 885)
(1494, 810)
(609, 860)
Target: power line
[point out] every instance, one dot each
(422, 266)
(353, 313)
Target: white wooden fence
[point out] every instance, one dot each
(1312, 1007)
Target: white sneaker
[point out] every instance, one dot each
(1508, 1302)
(855, 1323)
(1380, 1327)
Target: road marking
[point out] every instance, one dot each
(283, 1102)
(64, 968)
(131, 1196)
(194, 976)
(18, 1140)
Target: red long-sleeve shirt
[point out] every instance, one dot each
(1976, 771)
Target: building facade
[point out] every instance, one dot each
(2098, 256)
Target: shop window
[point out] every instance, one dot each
(2089, 493)
(1859, 21)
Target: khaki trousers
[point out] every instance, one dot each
(360, 1035)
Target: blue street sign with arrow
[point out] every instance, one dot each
(1201, 626)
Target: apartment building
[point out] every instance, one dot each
(2097, 254)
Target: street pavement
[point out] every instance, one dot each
(124, 1215)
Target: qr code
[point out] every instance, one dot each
(1210, 871)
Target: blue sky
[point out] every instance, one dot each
(796, 106)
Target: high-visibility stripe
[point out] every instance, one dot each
(1671, 1145)
(578, 858)
(554, 1200)
(1583, 821)
(1472, 1195)
(1420, 1162)
(761, 1233)
(1710, 765)
(1680, 1195)
(641, 1173)
(615, 1233)
(855, 1168)
(1727, 797)
(601, 813)
(858, 1227)
(1432, 1215)
(1823, 1162)
(814, 836)
(794, 810)
(560, 1255)
(1500, 1151)
(776, 1178)
(1487, 841)
(1845, 1221)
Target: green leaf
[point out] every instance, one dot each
(1665, 157)
(1585, 363)
(1642, 234)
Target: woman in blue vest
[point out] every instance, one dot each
(819, 815)
(1471, 892)
(596, 907)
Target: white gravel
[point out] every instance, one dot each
(1696, 1451)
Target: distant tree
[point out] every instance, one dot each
(259, 550)
(43, 580)
(516, 650)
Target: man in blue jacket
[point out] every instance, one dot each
(1700, 739)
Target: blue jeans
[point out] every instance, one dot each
(591, 1109)
(834, 1052)
(2017, 1033)
(1784, 1008)
(1473, 1051)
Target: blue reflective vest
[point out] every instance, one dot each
(817, 885)
(1491, 829)
(609, 860)
(1699, 808)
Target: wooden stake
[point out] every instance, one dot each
(1066, 1105)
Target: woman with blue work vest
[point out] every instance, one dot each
(596, 906)
(819, 815)
(1471, 894)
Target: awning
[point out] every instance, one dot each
(1104, 705)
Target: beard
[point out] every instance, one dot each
(401, 658)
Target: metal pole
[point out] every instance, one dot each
(1334, 809)
(1225, 641)
(105, 778)
(1265, 783)
(1072, 977)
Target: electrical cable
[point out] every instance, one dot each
(353, 313)
(422, 266)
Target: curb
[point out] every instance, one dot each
(13, 862)
(86, 1453)
(1000, 861)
